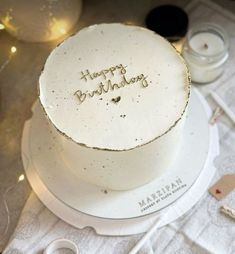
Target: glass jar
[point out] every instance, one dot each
(205, 51)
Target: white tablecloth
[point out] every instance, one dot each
(202, 230)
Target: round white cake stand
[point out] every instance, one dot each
(126, 212)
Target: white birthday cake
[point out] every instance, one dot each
(117, 96)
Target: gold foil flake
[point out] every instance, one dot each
(116, 100)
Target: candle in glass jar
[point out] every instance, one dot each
(206, 51)
(206, 43)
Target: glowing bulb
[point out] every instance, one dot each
(2, 27)
(13, 49)
(21, 178)
(62, 30)
(58, 27)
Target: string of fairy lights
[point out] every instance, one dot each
(55, 26)
(58, 28)
(12, 51)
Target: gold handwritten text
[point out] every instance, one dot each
(86, 75)
(105, 87)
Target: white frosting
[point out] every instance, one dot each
(123, 170)
(142, 114)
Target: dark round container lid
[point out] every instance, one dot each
(169, 21)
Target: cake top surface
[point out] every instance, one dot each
(114, 87)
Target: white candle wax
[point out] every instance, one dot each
(205, 52)
(207, 44)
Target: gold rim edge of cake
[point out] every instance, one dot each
(187, 86)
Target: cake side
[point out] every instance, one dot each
(123, 170)
(114, 87)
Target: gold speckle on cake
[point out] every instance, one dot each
(116, 100)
